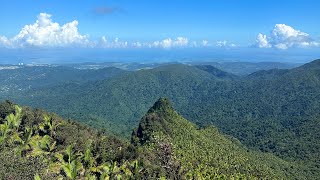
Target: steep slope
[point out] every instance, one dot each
(37, 144)
(268, 111)
(277, 112)
(124, 98)
(34, 142)
(185, 151)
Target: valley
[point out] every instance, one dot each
(271, 111)
(159, 90)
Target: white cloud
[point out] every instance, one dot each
(137, 44)
(4, 42)
(181, 41)
(224, 44)
(281, 46)
(284, 37)
(262, 41)
(221, 43)
(184, 42)
(115, 43)
(166, 43)
(170, 43)
(45, 32)
(205, 43)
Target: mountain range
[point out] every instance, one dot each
(271, 111)
(40, 145)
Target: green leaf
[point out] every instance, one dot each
(37, 177)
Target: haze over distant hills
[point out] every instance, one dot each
(273, 111)
(161, 89)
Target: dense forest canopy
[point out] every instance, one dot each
(274, 111)
(40, 145)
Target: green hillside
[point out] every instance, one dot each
(34, 142)
(186, 151)
(274, 111)
(40, 145)
(247, 68)
(123, 99)
(216, 72)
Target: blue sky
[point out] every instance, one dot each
(272, 26)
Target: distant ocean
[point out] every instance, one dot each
(80, 55)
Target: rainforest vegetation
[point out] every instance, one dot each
(40, 145)
(270, 118)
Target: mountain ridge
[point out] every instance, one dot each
(274, 115)
(182, 146)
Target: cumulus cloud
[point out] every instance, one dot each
(137, 44)
(262, 41)
(45, 32)
(5, 42)
(224, 44)
(179, 42)
(284, 37)
(171, 43)
(115, 43)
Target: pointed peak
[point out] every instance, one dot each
(161, 104)
(157, 119)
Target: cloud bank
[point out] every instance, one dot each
(44, 32)
(170, 43)
(284, 37)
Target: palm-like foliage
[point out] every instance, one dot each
(14, 120)
(41, 145)
(78, 165)
(37, 177)
(9, 129)
(48, 126)
(89, 160)
(69, 162)
(25, 141)
(113, 171)
(90, 163)
(4, 130)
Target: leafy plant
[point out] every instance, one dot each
(9, 129)
(48, 126)
(69, 162)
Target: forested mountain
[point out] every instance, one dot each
(38, 145)
(24, 78)
(246, 68)
(123, 98)
(216, 72)
(181, 147)
(273, 111)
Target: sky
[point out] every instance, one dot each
(104, 30)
